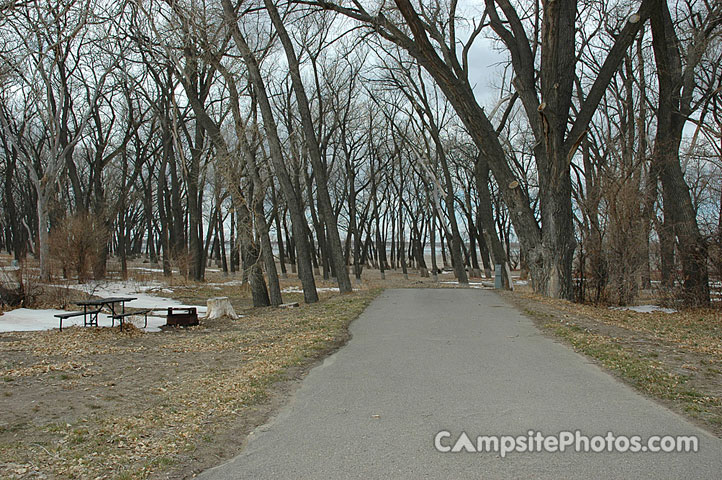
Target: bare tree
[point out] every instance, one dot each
(45, 39)
(677, 85)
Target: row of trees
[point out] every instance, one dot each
(350, 134)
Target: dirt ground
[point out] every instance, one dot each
(101, 403)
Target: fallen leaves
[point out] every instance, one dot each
(44, 367)
(212, 376)
(74, 341)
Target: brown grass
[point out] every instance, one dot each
(98, 403)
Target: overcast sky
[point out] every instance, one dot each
(485, 69)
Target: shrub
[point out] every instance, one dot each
(76, 243)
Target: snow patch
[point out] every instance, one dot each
(29, 320)
(230, 283)
(646, 309)
(144, 293)
(470, 284)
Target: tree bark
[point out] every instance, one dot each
(486, 216)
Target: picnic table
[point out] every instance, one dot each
(91, 309)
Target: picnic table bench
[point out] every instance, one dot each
(92, 321)
(122, 316)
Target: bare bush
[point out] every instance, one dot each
(182, 261)
(20, 287)
(76, 244)
(626, 252)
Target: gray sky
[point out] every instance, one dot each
(485, 69)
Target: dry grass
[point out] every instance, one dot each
(134, 405)
(99, 403)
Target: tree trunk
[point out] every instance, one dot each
(671, 118)
(324, 200)
(456, 255)
(279, 211)
(232, 239)
(298, 220)
(485, 214)
(434, 266)
(251, 259)
(552, 273)
(274, 286)
(222, 244)
(42, 246)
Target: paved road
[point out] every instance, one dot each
(423, 361)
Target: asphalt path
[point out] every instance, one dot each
(424, 361)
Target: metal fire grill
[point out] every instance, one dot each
(182, 317)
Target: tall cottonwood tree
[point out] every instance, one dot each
(183, 124)
(314, 150)
(50, 44)
(677, 85)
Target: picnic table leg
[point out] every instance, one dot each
(112, 316)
